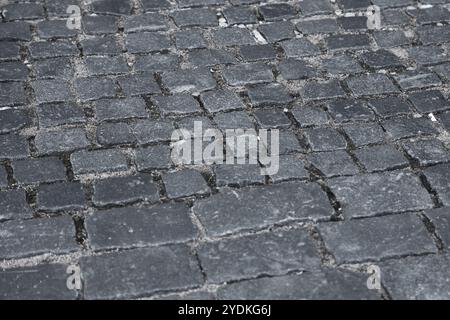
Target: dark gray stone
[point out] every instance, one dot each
(145, 22)
(39, 170)
(249, 208)
(238, 175)
(439, 179)
(95, 88)
(318, 26)
(98, 161)
(37, 236)
(277, 11)
(402, 127)
(390, 106)
(112, 133)
(15, 31)
(60, 141)
(14, 205)
(272, 119)
(156, 62)
(233, 36)
(322, 90)
(363, 134)
(13, 71)
(12, 93)
(3, 178)
(257, 52)
(153, 157)
(12, 120)
(99, 24)
(132, 227)
(416, 79)
(139, 84)
(381, 158)
(189, 39)
(248, 73)
(274, 253)
(51, 91)
(277, 31)
(54, 68)
(58, 48)
(185, 183)
(292, 69)
(55, 29)
(43, 282)
(372, 84)
(310, 116)
(143, 42)
(376, 238)
(325, 139)
(115, 7)
(328, 284)
(350, 110)
(233, 120)
(172, 268)
(115, 109)
(271, 94)
(299, 47)
(427, 152)
(121, 190)
(149, 131)
(60, 196)
(13, 146)
(192, 81)
(221, 100)
(291, 167)
(440, 218)
(429, 101)
(410, 278)
(380, 193)
(239, 15)
(202, 17)
(54, 114)
(210, 57)
(333, 163)
(381, 59)
(348, 41)
(97, 66)
(101, 46)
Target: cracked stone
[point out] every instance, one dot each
(439, 179)
(427, 152)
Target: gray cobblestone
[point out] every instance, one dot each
(37, 236)
(380, 233)
(60, 196)
(131, 227)
(49, 169)
(173, 268)
(258, 207)
(265, 254)
(14, 205)
(64, 140)
(98, 161)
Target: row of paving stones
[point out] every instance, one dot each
(342, 152)
(243, 267)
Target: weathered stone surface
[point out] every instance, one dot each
(163, 268)
(438, 177)
(255, 255)
(410, 278)
(376, 238)
(135, 227)
(185, 183)
(372, 194)
(98, 161)
(37, 236)
(327, 284)
(257, 207)
(14, 205)
(43, 282)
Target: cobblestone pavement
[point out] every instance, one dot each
(88, 190)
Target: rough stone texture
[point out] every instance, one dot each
(173, 268)
(87, 116)
(319, 285)
(37, 236)
(44, 282)
(372, 194)
(409, 279)
(134, 227)
(268, 254)
(254, 208)
(384, 237)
